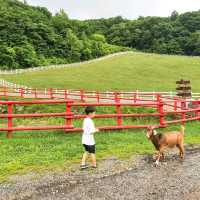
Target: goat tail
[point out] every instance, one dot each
(182, 129)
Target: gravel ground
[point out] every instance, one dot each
(136, 179)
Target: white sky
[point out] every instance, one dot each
(131, 9)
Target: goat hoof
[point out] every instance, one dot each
(157, 163)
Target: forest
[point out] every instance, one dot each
(32, 36)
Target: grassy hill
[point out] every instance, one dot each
(127, 72)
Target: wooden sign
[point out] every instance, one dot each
(183, 88)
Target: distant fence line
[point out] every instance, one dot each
(8, 84)
(77, 64)
(62, 93)
(27, 90)
(20, 71)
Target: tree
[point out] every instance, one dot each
(26, 56)
(173, 47)
(7, 57)
(174, 15)
(98, 37)
(193, 44)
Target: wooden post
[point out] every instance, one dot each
(50, 93)
(98, 98)
(68, 117)
(22, 92)
(183, 117)
(5, 91)
(183, 108)
(135, 96)
(160, 109)
(35, 91)
(65, 94)
(118, 109)
(175, 104)
(82, 95)
(183, 104)
(9, 110)
(196, 106)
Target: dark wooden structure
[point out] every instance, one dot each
(183, 89)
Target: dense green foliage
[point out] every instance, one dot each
(177, 34)
(31, 36)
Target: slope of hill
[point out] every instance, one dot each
(126, 72)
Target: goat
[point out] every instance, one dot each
(169, 139)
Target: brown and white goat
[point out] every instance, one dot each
(169, 139)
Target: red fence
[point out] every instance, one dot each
(184, 113)
(80, 95)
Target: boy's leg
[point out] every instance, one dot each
(93, 157)
(84, 158)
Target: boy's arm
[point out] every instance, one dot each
(89, 127)
(93, 128)
(96, 130)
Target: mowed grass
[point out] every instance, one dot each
(41, 151)
(135, 70)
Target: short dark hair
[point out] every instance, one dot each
(90, 109)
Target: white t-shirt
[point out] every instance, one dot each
(88, 132)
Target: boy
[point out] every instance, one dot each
(88, 137)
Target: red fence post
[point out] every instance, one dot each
(5, 91)
(118, 109)
(22, 92)
(82, 95)
(195, 105)
(35, 91)
(135, 96)
(98, 98)
(50, 93)
(9, 110)
(116, 97)
(183, 117)
(175, 104)
(65, 94)
(183, 104)
(68, 119)
(183, 108)
(161, 110)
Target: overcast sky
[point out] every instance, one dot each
(131, 9)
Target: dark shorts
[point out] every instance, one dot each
(89, 148)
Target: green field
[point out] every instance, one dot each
(145, 72)
(40, 151)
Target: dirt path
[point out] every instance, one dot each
(137, 180)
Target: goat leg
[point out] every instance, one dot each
(159, 156)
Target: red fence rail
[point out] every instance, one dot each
(160, 114)
(81, 95)
(170, 102)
